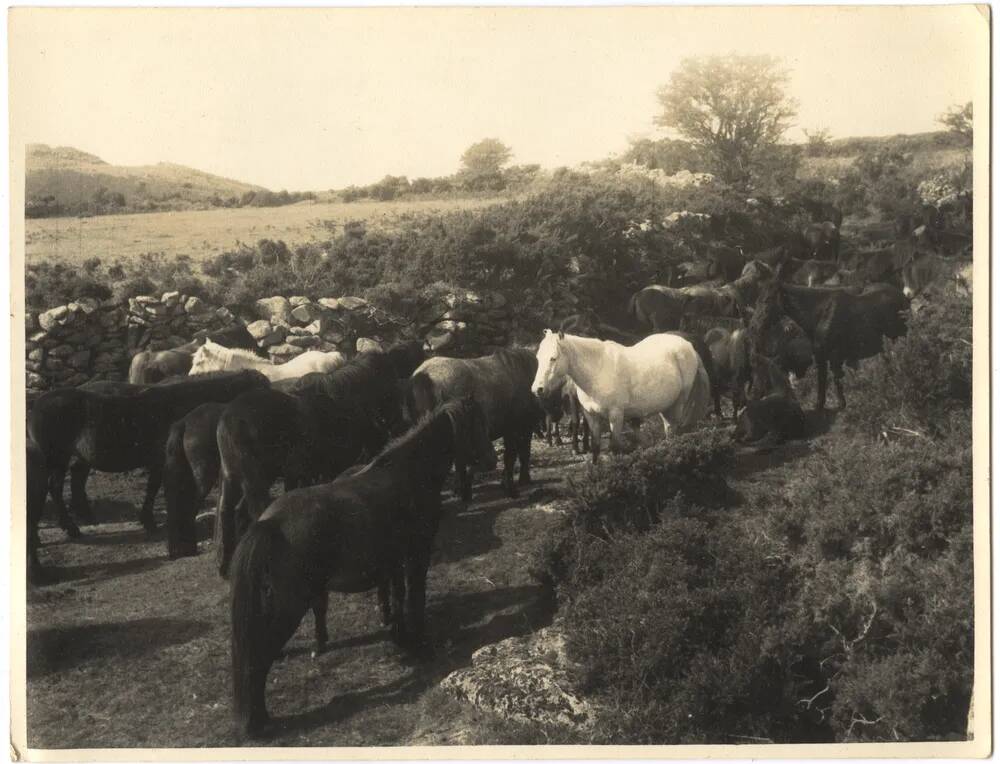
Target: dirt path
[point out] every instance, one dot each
(126, 648)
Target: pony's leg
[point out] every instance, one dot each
(596, 431)
(57, 476)
(821, 372)
(838, 381)
(79, 471)
(524, 456)
(384, 607)
(225, 524)
(319, 606)
(574, 433)
(616, 422)
(417, 563)
(509, 457)
(558, 437)
(463, 483)
(152, 488)
(585, 439)
(549, 425)
(397, 614)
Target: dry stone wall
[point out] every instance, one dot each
(89, 340)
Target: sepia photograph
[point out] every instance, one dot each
(464, 382)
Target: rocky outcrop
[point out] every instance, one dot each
(524, 679)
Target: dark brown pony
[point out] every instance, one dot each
(366, 529)
(190, 472)
(312, 434)
(150, 366)
(662, 308)
(501, 384)
(121, 432)
(844, 327)
(564, 403)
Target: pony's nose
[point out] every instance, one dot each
(540, 390)
(908, 293)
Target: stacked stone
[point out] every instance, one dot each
(159, 323)
(289, 326)
(469, 324)
(73, 344)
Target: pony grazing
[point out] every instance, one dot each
(213, 357)
(371, 528)
(662, 374)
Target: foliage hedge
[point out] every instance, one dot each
(834, 605)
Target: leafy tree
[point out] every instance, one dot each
(482, 164)
(817, 142)
(732, 107)
(958, 119)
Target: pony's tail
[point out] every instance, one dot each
(252, 610)
(181, 494)
(421, 396)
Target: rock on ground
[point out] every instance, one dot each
(523, 679)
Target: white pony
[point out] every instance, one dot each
(214, 357)
(661, 374)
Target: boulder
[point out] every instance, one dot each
(352, 303)
(38, 354)
(365, 344)
(144, 300)
(265, 333)
(37, 337)
(54, 364)
(171, 299)
(274, 307)
(194, 306)
(62, 351)
(34, 366)
(85, 305)
(524, 679)
(304, 341)
(51, 319)
(30, 322)
(298, 300)
(36, 381)
(306, 313)
(330, 303)
(317, 327)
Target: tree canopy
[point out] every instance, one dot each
(958, 119)
(729, 106)
(482, 163)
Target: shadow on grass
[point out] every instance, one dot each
(61, 648)
(463, 623)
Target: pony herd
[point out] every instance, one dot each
(364, 447)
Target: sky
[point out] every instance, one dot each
(318, 99)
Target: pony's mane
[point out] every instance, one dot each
(402, 445)
(520, 359)
(221, 350)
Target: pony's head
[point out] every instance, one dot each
(552, 364)
(202, 360)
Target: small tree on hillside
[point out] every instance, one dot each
(729, 106)
(958, 119)
(817, 142)
(482, 164)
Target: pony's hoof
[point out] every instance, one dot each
(524, 480)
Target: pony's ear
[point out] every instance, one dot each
(546, 332)
(562, 334)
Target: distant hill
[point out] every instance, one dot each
(67, 181)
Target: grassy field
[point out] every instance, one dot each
(204, 233)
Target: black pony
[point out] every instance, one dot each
(311, 434)
(364, 530)
(118, 432)
(844, 326)
(190, 472)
